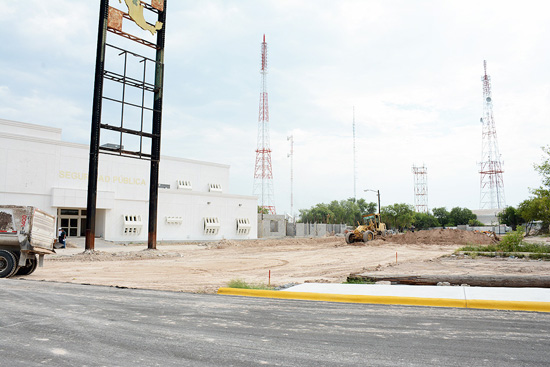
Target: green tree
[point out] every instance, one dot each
(537, 208)
(461, 216)
(262, 210)
(353, 213)
(398, 216)
(338, 211)
(425, 221)
(367, 208)
(511, 217)
(442, 216)
(544, 168)
(347, 211)
(363, 208)
(475, 223)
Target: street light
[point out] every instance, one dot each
(378, 193)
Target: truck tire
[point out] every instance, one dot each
(349, 237)
(29, 267)
(8, 263)
(368, 236)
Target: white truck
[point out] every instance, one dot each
(24, 233)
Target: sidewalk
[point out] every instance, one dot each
(519, 299)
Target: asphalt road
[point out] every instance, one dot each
(56, 324)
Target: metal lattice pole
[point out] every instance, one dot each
(420, 188)
(263, 171)
(491, 180)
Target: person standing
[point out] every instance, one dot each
(62, 236)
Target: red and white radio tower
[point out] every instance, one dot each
(491, 183)
(263, 172)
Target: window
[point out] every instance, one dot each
(68, 212)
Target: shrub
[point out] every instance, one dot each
(358, 281)
(239, 283)
(512, 240)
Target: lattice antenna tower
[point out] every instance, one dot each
(263, 172)
(354, 161)
(491, 181)
(291, 156)
(420, 188)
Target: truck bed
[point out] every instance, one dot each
(27, 228)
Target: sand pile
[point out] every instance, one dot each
(442, 237)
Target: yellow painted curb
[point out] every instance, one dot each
(509, 305)
(391, 300)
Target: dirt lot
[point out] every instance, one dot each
(208, 266)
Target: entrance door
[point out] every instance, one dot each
(72, 221)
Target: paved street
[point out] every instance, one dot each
(57, 324)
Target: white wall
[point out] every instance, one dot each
(50, 174)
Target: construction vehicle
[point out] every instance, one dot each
(24, 233)
(371, 228)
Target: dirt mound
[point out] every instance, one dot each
(442, 237)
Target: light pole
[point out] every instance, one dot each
(291, 156)
(378, 193)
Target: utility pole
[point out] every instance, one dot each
(378, 194)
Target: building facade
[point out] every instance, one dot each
(39, 169)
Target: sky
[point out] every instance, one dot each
(411, 70)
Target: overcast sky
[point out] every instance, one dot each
(412, 69)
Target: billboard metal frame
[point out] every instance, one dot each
(110, 20)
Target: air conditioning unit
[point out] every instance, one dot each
(215, 187)
(132, 224)
(211, 225)
(243, 226)
(174, 220)
(185, 185)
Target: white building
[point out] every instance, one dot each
(41, 170)
(489, 217)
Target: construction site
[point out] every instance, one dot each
(203, 267)
(153, 213)
(206, 236)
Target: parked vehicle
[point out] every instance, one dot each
(25, 232)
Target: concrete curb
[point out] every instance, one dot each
(392, 300)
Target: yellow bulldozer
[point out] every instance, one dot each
(371, 228)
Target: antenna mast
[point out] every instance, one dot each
(291, 155)
(491, 182)
(420, 188)
(354, 161)
(263, 172)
